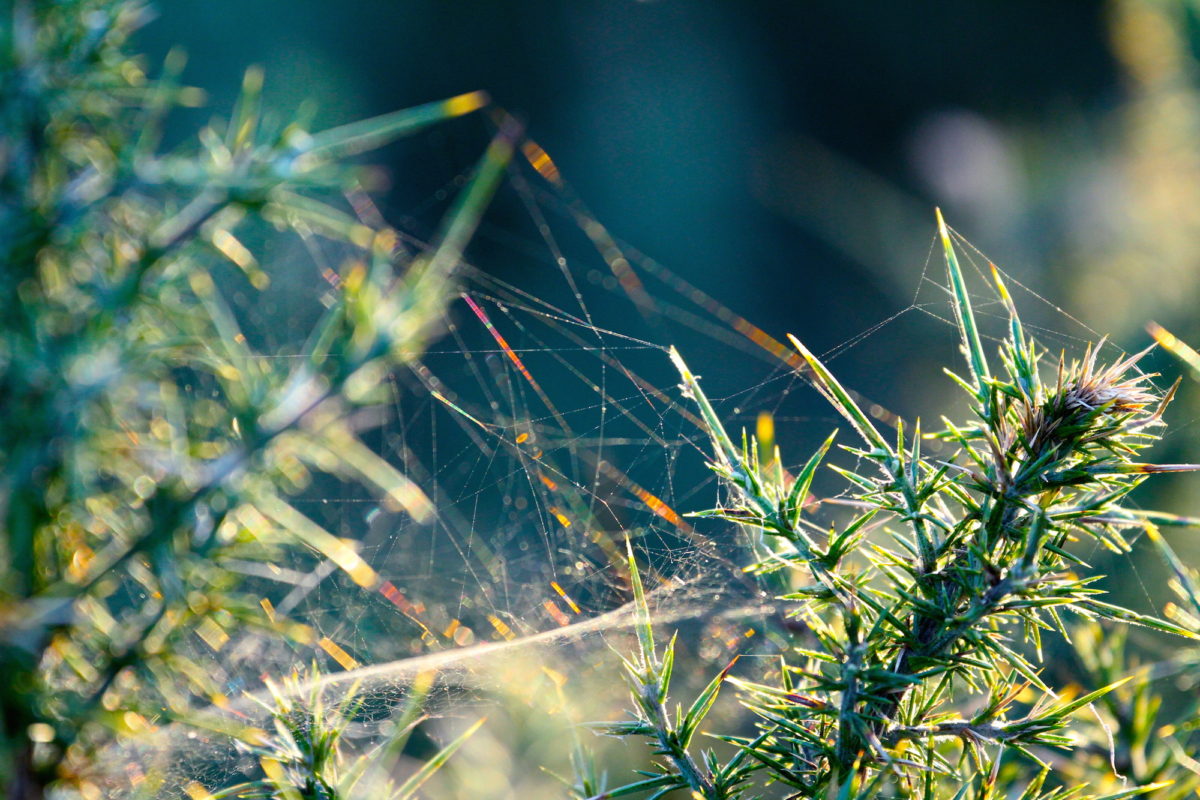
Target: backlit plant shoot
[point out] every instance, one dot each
(918, 673)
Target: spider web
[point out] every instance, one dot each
(546, 428)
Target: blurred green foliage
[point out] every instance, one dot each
(146, 444)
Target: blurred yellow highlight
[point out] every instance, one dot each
(566, 598)
(212, 634)
(465, 103)
(339, 655)
(1176, 347)
(540, 160)
(501, 627)
(197, 792)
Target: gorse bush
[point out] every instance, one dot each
(146, 444)
(154, 443)
(924, 615)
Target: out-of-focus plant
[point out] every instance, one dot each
(1145, 731)
(145, 443)
(924, 615)
(1151, 223)
(304, 756)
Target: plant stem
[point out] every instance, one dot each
(687, 767)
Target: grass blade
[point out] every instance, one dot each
(840, 399)
(645, 631)
(723, 448)
(367, 134)
(287, 517)
(410, 786)
(703, 703)
(972, 346)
